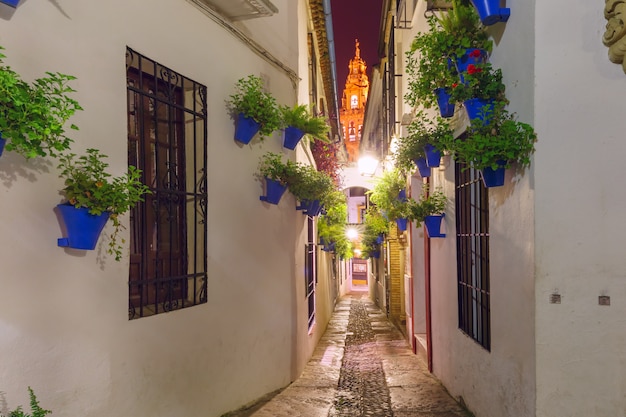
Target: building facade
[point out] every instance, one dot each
(353, 104)
(76, 325)
(545, 335)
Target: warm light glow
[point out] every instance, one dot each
(357, 252)
(352, 233)
(367, 165)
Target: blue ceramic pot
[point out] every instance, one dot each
(446, 109)
(310, 207)
(402, 224)
(433, 156)
(478, 108)
(274, 190)
(246, 128)
(494, 177)
(2, 143)
(433, 225)
(490, 11)
(83, 229)
(291, 137)
(422, 167)
(471, 56)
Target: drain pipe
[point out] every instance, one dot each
(331, 52)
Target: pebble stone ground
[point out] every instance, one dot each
(361, 367)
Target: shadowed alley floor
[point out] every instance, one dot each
(361, 367)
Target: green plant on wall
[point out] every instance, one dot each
(430, 61)
(375, 226)
(251, 100)
(308, 184)
(87, 184)
(385, 194)
(36, 409)
(499, 140)
(299, 117)
(271, 165)
(429, 204)
(33, 116)
(422, 130)
(480, 81)
(331, 227)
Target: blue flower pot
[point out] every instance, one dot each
(490, 11)
(380, 239)
(494, 177)
(83, 229)
(446, 109)
(375, 254)
(310, 207)
(2, 143)
(246, 128)
(422, 167)
(12, 3)
(291, 137)
(463, 61)
(433, 225)
(433, 156)
(274, 191)
(479, 109)
(402, 224)
(402, 195)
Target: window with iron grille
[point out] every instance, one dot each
(472, 240)
(167, 138)
(310, 273)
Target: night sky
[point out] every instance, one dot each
(355, 19)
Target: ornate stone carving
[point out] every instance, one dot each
(615, 34)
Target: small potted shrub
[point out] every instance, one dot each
(423, 145)
(332, 224)
(297, 122)
(254, 110)
(277, 175)
(480, 88)
(376, 226)
(93, 197)
(493, 145)
(387, 196)
(312, 188)
(33, 116)
(430, 210)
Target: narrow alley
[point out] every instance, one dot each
(361, 367)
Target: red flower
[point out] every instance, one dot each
(455, 85)
(475, 53)
(472, 69)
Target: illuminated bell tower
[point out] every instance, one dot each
(353, 104)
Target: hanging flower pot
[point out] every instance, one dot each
(494, 177)
(402, 195)
(274, 191)
(380, 239)
(433, 225)
(245, 128)
(83, 229)
(478, 108)
(310, 207)
(490, 11)
(446, 109)
(402, 224)
(375, 254)
(422, 167)
(433, 155)
(2, 143)
(12, 3)
(471, 56)
(291, 137)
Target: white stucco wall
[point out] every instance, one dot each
(64, 328)
(580, 232)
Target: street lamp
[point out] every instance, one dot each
(367, 165)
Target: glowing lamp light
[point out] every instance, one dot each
(367, 165)
(352, 234)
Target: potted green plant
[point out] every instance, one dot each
(95, 196)
(332, 224)
(387, 196)
(254, 110)
(376, 226)
(430, 210)
(480, 88)
(492, 146)
(33, 116)
(276, 174)
(311, 187)
(297, 121)
(423, 145)
(36, 409)
(432, 59)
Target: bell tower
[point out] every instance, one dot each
(353, 104)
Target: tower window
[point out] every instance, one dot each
(354, 101)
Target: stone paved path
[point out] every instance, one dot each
(361, 367)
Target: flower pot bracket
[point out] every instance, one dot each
(490, 11)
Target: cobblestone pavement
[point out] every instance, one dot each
(361, 367)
